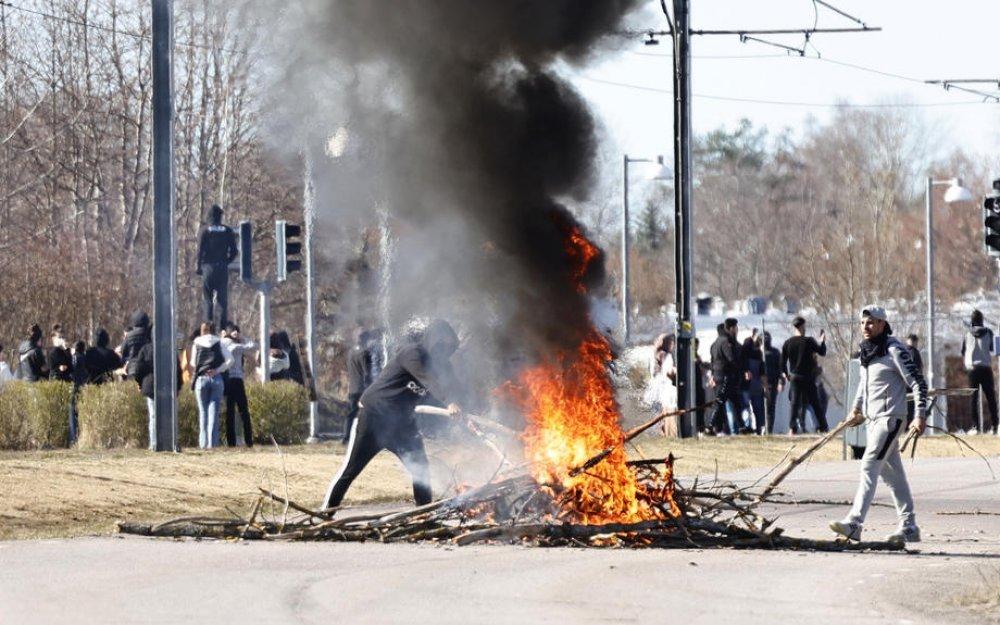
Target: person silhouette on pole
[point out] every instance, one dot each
(216, 249)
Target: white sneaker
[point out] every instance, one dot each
(847, 529)
(906, 534)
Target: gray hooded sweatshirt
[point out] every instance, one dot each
(886, 381)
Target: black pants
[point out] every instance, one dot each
(770, 405)
(802, 393)
(215, 282)
(757, 405)
(699, 400)
(982, 378)
(727, 390)
(370, 434)
(236, 397)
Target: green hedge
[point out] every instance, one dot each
(34, 416)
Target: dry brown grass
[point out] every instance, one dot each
(72, 493)
(985, 600)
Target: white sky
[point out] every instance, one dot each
(920, 39)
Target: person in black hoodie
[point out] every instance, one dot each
(102, 361)
(31, 366)
(216, 249)
(281, 341)
(80, 376)
(138, 335)
(143, 367)
(59, 360)
(799, 362)
(726, 373)
(772, 378)
(419, 373)
(363, 365)
(977, 355)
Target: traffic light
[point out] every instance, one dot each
(288, 243)
(991, 221)
(246, 252)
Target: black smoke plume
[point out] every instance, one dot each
(462, 127)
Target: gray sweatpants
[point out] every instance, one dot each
(882, 458)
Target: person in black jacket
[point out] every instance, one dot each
(216, 249)
(138, 334)
(772, 377)
(59, 360)
(143, 375)
(102, 361)
(913, 346)
(80, 376)
(31, 365)
(726, 374)
(281, 341)
(418, 373)
(799, 363)
(699, 385)
(363, 365)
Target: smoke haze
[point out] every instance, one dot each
(460, 127)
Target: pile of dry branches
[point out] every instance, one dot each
(519, 509)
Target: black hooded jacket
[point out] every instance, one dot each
(102, 361)
(31, 366)
(137, 336)
(419, 373)
(60, 357)
(217, 245)
(281, 340)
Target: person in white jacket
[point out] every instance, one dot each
(6, 375)
(888, 374)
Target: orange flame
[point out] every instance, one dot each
(572, 415)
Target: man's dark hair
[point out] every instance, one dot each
(767, 338)
(731, 323)
(230, 327)
(34, 333)
(977, 317)
(798, 323)
(913, 338)
(79, 347)
(721, 328)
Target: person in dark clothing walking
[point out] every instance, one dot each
(32, 365)
(363, 365)
(726, 373)
(753, 384)
(80, 376)
(913, 346)
(139, 333)
(216, 249)
(236, 392)
(772, 380)
(419, 373)
(977, 355)
(102, 361)
(798, 363)
(59, 360)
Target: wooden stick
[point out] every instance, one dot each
(476, 419)
(797, 460)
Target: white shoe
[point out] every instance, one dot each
(972, 431)
(847, 529)
(905, 534)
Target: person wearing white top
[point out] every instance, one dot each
(209, 360)
(6, 375)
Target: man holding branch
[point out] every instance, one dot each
(888, 373)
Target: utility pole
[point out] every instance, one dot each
(308, 218)
(683, 253)
(164, 239)
(625, 253)
(264, 290)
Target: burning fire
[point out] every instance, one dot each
(572, 416)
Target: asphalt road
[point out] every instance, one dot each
(134, 580)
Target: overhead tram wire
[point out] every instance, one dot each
(706, 96)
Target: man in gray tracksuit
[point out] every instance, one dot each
(888, 373)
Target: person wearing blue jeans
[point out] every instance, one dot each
(209, 359)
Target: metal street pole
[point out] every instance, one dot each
(309, 215)
(264, 290)
(929, 237)
(625, 259)
(683, 256)
(164, 240)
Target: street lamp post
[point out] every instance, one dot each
(955, 193)
(626, 239)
